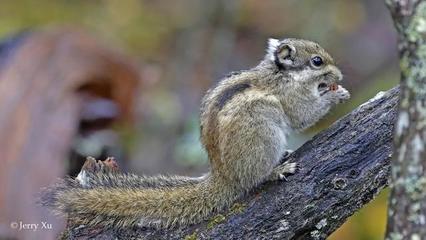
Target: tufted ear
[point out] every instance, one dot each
(285, 54)
(272, 47)
(282, 54)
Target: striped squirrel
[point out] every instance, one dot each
(245, 121)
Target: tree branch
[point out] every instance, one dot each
(342, 168)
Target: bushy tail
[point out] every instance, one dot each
(125, 207)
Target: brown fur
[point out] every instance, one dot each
(245, 121)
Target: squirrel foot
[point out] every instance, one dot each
(280, 172)
(285, 156)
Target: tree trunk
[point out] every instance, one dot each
(341, 169)
(407, 201)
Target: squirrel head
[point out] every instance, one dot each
(301, 65)
(302, 62)
(300, 73)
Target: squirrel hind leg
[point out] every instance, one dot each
(280, 172)
(285, 156)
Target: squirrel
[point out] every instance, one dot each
(245, 121)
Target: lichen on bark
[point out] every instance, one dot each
(407, 201)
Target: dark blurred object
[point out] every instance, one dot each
(55, 86)
(95, 136)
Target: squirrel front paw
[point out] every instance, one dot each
(336, 94)
(280, 171)
(342, 94)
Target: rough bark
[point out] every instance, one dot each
(341, 169)
(407, 201)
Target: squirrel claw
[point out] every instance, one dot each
(282, 177)
(279, 173)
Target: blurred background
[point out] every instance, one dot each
(154, 61)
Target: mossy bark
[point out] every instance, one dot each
(407, 201)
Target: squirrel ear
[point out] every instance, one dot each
(272, 47)
(282, 54)
(273, 44)
(286, 53)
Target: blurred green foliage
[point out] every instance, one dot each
(367, 224)
(185, 46)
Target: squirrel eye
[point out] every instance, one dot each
(317, 61)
